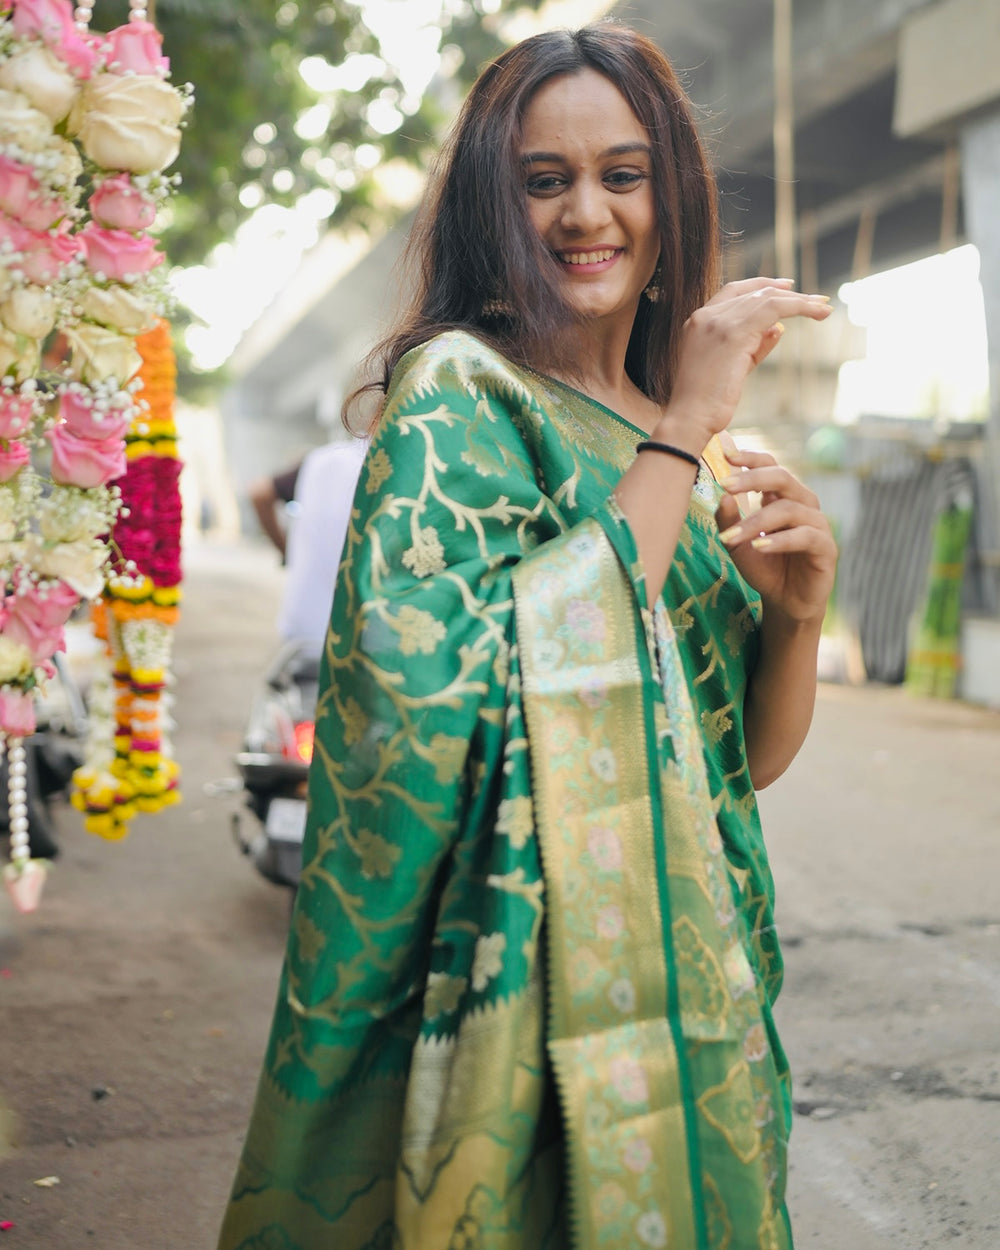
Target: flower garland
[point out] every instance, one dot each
(128, 766)
(71, 102)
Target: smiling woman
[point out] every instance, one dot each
(527, 1002)
(588, 165)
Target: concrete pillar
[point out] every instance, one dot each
(980, 149)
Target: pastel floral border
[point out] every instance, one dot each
(88, 124)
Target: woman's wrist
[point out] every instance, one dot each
(686, 435)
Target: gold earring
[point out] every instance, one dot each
(652, 292)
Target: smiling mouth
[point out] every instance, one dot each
(596, 257)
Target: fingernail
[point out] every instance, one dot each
(824, 298)
(729, 535)
(732, 482)
(759, 544)
(778, 327)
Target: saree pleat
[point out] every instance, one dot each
(526, 1003)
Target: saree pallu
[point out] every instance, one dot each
(526, 1003)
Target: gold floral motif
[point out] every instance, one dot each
(376, 854)
(448, 756)
(715, 725)
(379, 469)
(443, 993)
(741, 625)
(515, 819)
(426, 557)
(720, 1228)
(487, 963)
(354, 720)
(704, 998)
(310, 938)
(729, 1108)
(418, 630)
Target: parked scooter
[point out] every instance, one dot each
(51, 754)
(274, 764)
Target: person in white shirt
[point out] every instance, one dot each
(324, 494)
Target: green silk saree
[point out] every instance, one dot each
(526, 1003)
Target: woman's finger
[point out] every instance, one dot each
(782, 514)
(744, 286)
(745, 456)
(770, 480)
(769, 340)
(800, 539)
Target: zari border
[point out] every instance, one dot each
(629, 1145)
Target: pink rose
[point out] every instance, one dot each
(17, 713)
(52, 22)
(21, 195)
(85, 462)
(136, 46)
(84, 420)
(13, 458)
(117, 253)
(119, 205)
(16, 413)
(44, 254)
(35, 617)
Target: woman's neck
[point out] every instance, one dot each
(597, 368)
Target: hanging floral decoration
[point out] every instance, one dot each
(82, 273)
(129, 766)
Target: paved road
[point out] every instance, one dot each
(135, 1003)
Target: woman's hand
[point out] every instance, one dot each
(723, 342)
(785, 550)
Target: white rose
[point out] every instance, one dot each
(97, 353)
(15, 660)
(45, 80)
(22, 124)
(19, 356)
(117, 307)
(129, 122)
(80, 564)
(29, 310)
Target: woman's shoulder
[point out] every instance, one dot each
(456, 360)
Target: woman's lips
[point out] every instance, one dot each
(589, 260)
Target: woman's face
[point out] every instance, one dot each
(587, 173)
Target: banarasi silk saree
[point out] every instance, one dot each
(526, 1003)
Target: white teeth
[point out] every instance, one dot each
(587, 258)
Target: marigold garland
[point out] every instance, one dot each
(129, 766)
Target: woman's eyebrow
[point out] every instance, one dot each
(618, 149)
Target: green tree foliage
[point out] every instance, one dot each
(241, 147)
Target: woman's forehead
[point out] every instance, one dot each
(584, 109)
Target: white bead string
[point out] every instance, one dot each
(17, 800)
(84, 11)
(82, 14)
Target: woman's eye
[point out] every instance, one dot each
(625, 178)
(545, 184)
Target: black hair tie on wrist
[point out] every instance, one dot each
(668, 449)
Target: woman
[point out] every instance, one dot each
(527, 998)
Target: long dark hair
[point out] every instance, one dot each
(477, 262)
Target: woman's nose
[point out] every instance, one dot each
(585, 208)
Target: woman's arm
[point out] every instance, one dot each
(787, 553)
(723, 342)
